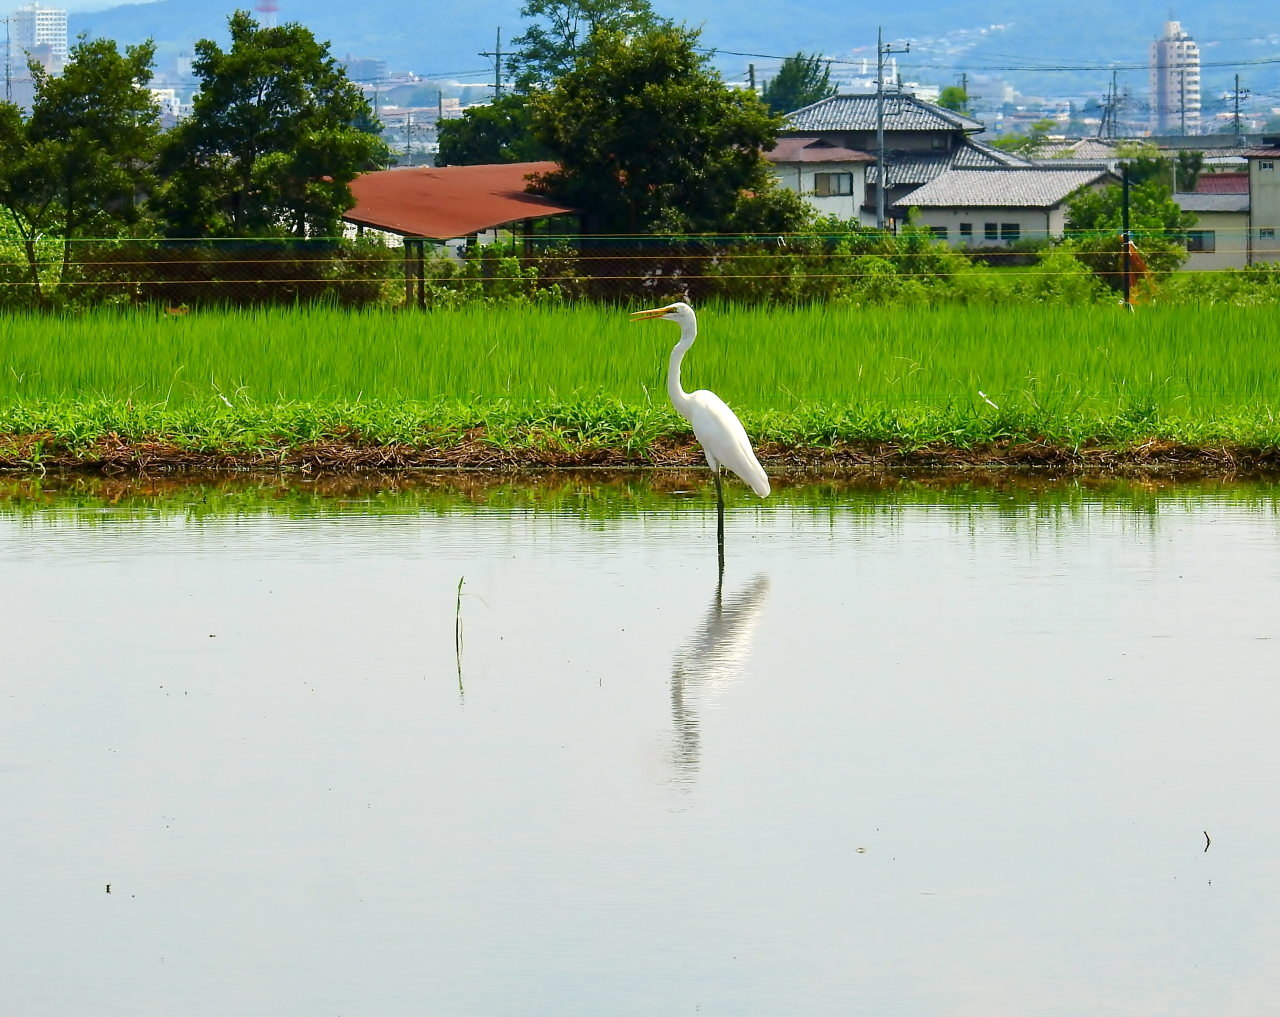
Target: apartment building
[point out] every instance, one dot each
(1175, 82)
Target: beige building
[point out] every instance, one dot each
(1264, 202)
(1220, 237)
(1175, 82)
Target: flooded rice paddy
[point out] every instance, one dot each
(927, 749)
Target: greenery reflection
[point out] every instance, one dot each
(605, 495)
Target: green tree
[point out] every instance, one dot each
(1095, 219)
(498, 132)
(800, 81)
(953, 97)
(1188, 167)
(562, 30)
(649, 137)
(1029, 143)
(1145, 162)
(73, 168)
(277, 134)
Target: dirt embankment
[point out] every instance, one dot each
(111, 454)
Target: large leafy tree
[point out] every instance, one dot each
(800, 81)
(277, 134)
(73, 168)
(561, 32)
(649, 137)
(497, 132)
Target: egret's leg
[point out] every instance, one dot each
(719, 517)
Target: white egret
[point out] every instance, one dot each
(723, 438)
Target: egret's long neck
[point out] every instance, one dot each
(679, 397)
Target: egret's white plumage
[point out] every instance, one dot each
(723, 438)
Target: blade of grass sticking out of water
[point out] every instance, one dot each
(457, 633)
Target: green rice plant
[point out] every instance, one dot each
(583, 374)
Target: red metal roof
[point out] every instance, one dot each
(444, 202)
(1222, 183)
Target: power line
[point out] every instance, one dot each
(1054, 67)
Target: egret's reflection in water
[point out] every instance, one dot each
(709, 663)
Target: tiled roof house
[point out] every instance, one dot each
(922, 141)
(992, 207)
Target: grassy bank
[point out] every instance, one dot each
(583, 386)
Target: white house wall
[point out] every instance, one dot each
(799, 177)
(1031, 223)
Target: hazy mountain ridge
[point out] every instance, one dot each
(444, 40)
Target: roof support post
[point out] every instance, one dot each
(415, 272)
(422, 273)
(408, 272)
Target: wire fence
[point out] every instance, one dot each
(381, 271)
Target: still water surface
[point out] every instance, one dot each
(928, 750)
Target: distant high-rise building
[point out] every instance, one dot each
(40, 33)
(1175, 82)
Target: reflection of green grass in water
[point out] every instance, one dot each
(537, 376)
(591, 495)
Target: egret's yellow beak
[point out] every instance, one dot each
(656, 312)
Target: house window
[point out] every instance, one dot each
(1267, 233)
(990, 231)
(938, 232)
(966, 230)
(1202, 241)
(1266, 164)
(1010, 231)
(826, 185)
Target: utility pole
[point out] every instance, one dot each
(8, 61)
(1182, 103)
(882, 169)
(963, 76)
(1107, 126)
(751, 75)
(1124, 236)
(1237, 95)
(497, 65)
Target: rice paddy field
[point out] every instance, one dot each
(582, 385)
